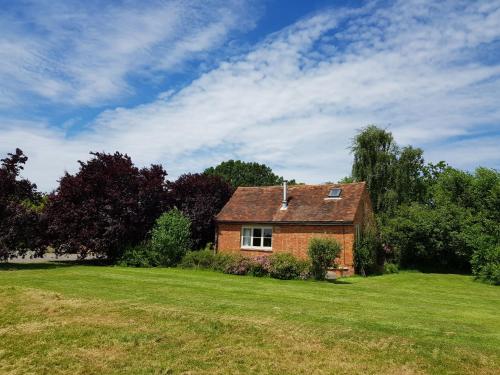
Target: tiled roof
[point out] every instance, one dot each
(306, 203)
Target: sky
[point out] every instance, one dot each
(189, 84)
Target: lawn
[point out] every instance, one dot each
(62, 319)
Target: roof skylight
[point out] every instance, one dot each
(334, 193)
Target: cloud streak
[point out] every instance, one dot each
(296, 99)
(84, 53)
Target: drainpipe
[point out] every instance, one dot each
(343, 247)
(216, 244)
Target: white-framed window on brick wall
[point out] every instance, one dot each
(257, 238)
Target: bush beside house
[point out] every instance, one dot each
(322, 252)
(282, 266)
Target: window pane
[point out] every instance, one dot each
(267, 242)
(246, 241)
(256, 241)
(257, 232)
(268, 232)
(247, 232)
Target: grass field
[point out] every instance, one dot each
(57, 319)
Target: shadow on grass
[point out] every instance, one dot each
(50, 264)
(457, 270)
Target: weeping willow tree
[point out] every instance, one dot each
(393, 175)
(375, 157)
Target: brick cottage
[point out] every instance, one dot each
(264, 220)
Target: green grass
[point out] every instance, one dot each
(57, 319)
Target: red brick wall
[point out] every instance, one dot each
(293, 239)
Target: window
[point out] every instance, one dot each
(259, 238)
(334, 193)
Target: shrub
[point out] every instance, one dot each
(260, 266)
(486, 264)
(305, 269)
(139, 256)
(368, 247)
(238, 265)
(221, 260)
(279, 266)
(203, 259)
(171, 237)
(285, 266)
(390, 268)
(322, 252)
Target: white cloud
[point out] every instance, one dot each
(84, 52)
(296, 99)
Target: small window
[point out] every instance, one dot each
(259, 238)
(335, 193)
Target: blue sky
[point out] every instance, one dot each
(189, 84)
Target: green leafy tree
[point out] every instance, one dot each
(375, 156)
(486, 264)
(240, 173)
(409, 183)
(346, 180)
(171, 237)
(394, 175)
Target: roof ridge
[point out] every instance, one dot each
(303, 185)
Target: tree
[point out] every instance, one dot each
(367, 252)
(21, 230)
(409, 183)
(11, 187)
(486, 264)
(345, 180)
(240, 173)
(200, 197)
(20, 221)
(375, 154)
(394, 175)
(107, 205)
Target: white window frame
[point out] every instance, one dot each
(262, 228)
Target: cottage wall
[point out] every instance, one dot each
(364, 215)
(293, 239)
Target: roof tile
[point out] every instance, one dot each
(306, 203)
